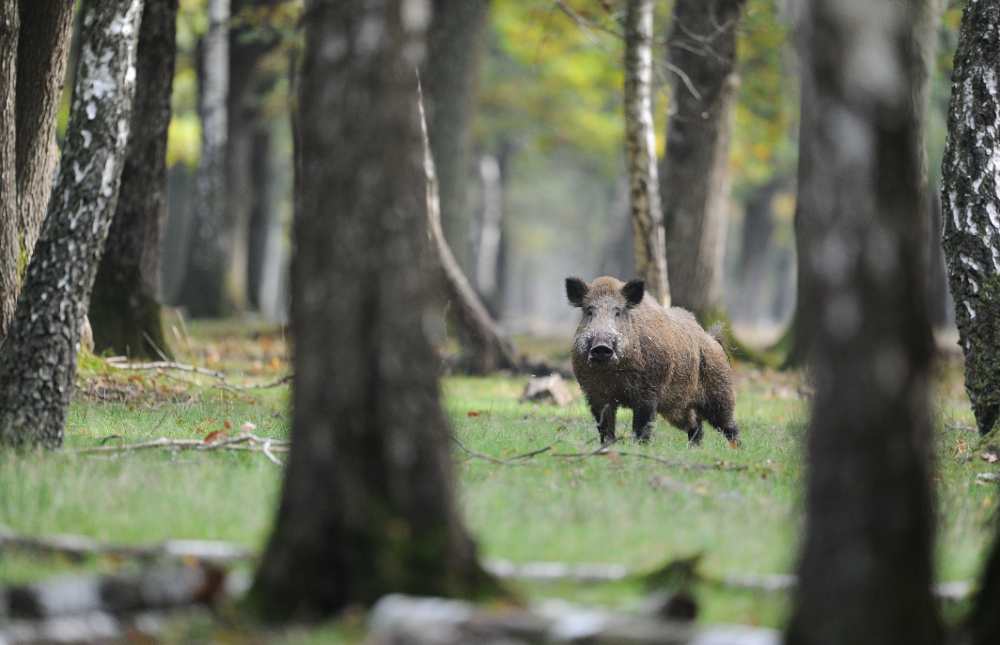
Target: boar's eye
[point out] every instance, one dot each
(618, 312)
(588, 311)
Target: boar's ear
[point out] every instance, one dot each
(576, 291)
(633, 292)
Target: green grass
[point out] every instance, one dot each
(618, 508)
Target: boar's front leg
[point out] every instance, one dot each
(643, 419)
(604, 414)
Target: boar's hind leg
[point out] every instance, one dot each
(694, 429)
(604, 414)
(643, 420)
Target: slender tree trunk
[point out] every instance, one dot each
(640, 151)
(971, 206)
(38, 359)
(42, 50)
(450, 76)
(124, 309)
(866, 570)
(490, 228)
(758, 231)
(263, 210)
(10, 251)
(695, 173)
(368, 505)
(204, 288)
(940, 303)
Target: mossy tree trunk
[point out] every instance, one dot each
(866, 571)
(9, 243)
(640, 152)
(33, 44)
(38, 358)
(971, 205)
(124, 309)
(695, 172)
(368, 505)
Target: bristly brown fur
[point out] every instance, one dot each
(665, 363)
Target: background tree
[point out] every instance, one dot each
(869, 527)
(204, 290)
(374, 440)
(124, 308)
(970, 205)
(35, 44)
(450, 76)
(701, 48)
(640, 146)
(38, 359)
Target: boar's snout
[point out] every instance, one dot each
(603, 349)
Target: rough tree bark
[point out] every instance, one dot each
(9, 245)
(203, 291)
(970, 181)
(42, 50)
(450, 75)
(368, 504)
(869, 523)
(124, 308)
(38, 359)
(695, 172)
(263, 211)
(640, 151)
(35, 44)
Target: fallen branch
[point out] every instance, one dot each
(244, 441)
(120, 364)
(516, 460)
(683, 465)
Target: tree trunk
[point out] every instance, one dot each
(939, 298)
(490, 230)
(971, 206)
(10, 251)
(640, 151)
(758, 231)
(124, 309)
(695, 177)
(450, 75)
(38, 359)
(204, 291)
(485, 350)
(866, 570)
(263, 210)
(42, 50)
(368, 505)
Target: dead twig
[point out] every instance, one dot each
(683, 465)
(121, 363)
(516, 460)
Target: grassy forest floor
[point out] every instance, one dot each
(742, 513)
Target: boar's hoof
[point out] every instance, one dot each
(695, 435)
(644, 434)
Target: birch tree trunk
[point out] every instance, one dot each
(640, 152)
(869, 526)
(10, 250)
(203, 290)
(368, 505)
(695, 172)
(38, 358)
(124, 309)
(970, 198)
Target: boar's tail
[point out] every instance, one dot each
(718, 334)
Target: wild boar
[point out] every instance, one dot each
(631, 351)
